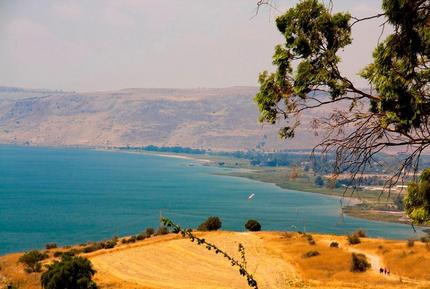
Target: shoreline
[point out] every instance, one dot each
(350, 204)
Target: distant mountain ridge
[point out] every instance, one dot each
(209, 118)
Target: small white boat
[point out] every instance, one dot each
(251, 196)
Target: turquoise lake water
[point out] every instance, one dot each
(71, 196)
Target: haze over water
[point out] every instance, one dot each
(71, 196)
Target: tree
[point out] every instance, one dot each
(364, 122)
(71, 272)
(211, 224)
(319, 181)
(417, 199)
(31, 260)
(253, 225)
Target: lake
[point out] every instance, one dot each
(71, 196)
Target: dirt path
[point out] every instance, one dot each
(377, 262)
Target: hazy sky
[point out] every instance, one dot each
(105, 44)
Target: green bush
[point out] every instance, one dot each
(310, 239)
(353, 239)
(211, 224)
(109, 244)
(149, 232)
(319, 181)
(31, 261)
(73, 252)
(311, 254)
(70, 272)
(253, 225)
(161, 231)
(334, 245)
(141, 237)
(51, 246)
(92, 248)
(359, 263)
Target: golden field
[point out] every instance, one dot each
(274, 258)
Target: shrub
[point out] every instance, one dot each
(353, 239)
(211, 224)
(334, 245)
(132, 239)
(51, 246)
(310, 239)
(359, 263)
(149, 232)
(73, 252)
(410, 243)
(92, 248)
(319, 181)
(253, 225)
(70, 272)
(109, 244)
(141, 237)
(31, 261)
(58, 254)
(311, 254)
(161, 231)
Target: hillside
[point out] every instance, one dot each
(219, 119)
(275, 258)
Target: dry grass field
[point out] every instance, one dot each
(275, 258)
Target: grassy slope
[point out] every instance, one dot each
(275, 258)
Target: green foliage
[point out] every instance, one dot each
(211, 247)
(253, 225)
(313, 36)
(353, 239)
(141, 237)
(334, 245)
(31, 261)
(211, 224)
(92, 248)
(131, 239)
(395, 113)
(311, 254)
(309, 238)
(109, 244)
(70, 272)
(149, 232)
(359, 263)
(319, 181)
(51, 246)
(417, 199)
(162, 230)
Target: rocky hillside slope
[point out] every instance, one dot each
(219, 119)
